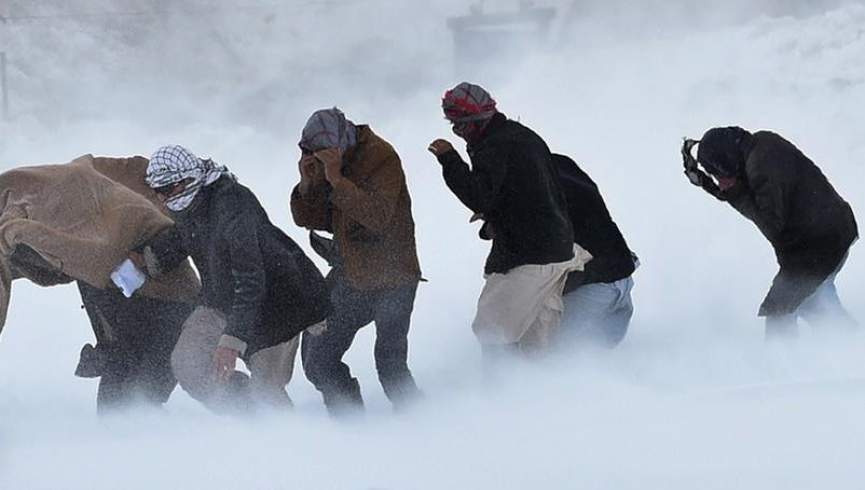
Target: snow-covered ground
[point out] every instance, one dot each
(692, 399)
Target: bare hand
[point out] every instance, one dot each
(727, 183)
(138, 260)
(440, 147)
(311, 173)
(332, 160)
(306, 165)
(224, 360)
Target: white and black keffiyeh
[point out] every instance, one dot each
(171, 164)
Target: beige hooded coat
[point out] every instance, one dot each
(83, 218)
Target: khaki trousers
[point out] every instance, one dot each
(192, 361)
(524, 306)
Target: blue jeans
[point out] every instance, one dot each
(598, 313)
(353, 309)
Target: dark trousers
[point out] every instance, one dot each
(134, 340)
(822, 308)
(322, 354)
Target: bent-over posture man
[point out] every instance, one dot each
(259, 290)
(81, 221)
(772, 183)
(352, 184)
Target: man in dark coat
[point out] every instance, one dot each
(134, 340)
(259, 290)
(772, 183)
(352, 184)
(512, 185)
(598, 306)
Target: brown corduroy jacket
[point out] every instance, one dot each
(82, 219)
(369, 214)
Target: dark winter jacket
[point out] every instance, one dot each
(594, 229)
(808, 224)
(369, 214)
(513, 183)
(250, 270)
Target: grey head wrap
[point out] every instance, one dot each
(328, 128)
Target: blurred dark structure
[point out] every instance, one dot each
(482, 41)
(647, 18)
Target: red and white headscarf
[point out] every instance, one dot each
(468, 103)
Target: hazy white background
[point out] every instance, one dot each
(692, 399)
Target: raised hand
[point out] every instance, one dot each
(440, 147)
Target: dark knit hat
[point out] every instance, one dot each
(722, 151)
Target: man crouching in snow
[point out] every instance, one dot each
(259, 290)
(513, 186)
(770, 182)
(81, 221)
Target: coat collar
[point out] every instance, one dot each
(496, 123)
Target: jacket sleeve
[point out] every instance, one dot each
(248, 274)
(311, 211)
(372, 202)
(478, 187)
(762, 200)
(164, 252)
(5, 289)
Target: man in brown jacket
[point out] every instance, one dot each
(81, 221)
(352, 185)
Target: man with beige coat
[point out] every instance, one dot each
(81, 221)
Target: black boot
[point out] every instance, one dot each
(235, 398)
(344, 402)
(402, 393)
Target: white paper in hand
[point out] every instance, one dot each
(128, 278)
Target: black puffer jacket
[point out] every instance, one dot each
(250, 270)
(513, 183)
(808, 224)
(594, 229)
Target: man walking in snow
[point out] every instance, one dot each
(81, 221)
(772, 183)
(512, 185)
(259, 290)
(598, 306)
(352, 184)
